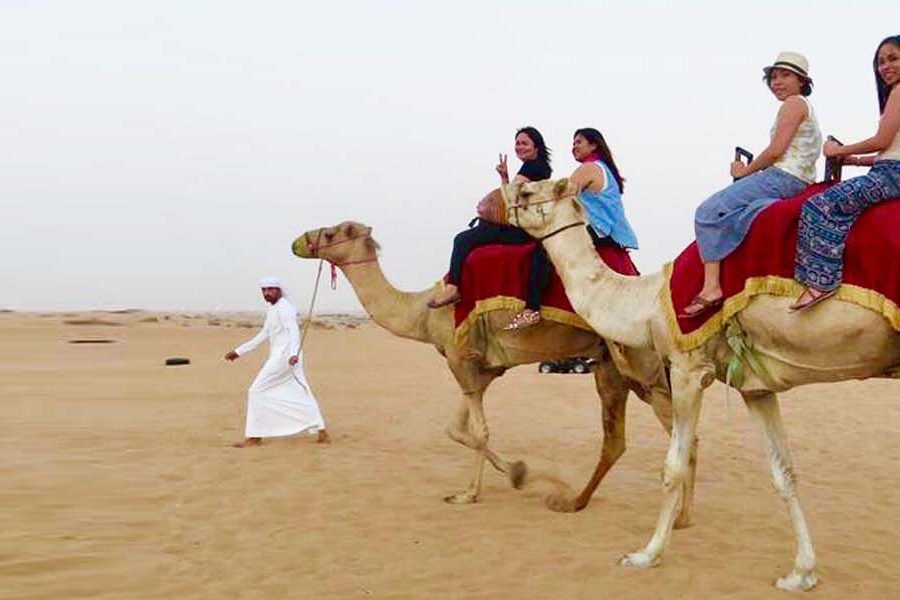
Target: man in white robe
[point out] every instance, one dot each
(280, 401)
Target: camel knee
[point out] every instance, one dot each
(675, 474)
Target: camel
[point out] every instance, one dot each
(835, 341)
(490, 351)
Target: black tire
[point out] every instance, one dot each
(580, 368)
(545, 368)
(171, 362)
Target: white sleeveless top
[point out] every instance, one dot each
(801, 155)
(892, 152)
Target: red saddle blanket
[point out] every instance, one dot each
(764, 264)
(495, 277)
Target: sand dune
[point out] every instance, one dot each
(119, 481)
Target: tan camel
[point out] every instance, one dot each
(490, 351)
(835, 341)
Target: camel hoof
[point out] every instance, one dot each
(640, 560)
(559, 502)
(464, 498)
(682, 523)
(795, 581)
(517, 474)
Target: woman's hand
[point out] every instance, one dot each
(738, 169)
(502, 169)
(831, 149)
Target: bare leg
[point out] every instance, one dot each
(688, 381)
(613, 398)
(250, 442)
(711, 291)
(764, 407)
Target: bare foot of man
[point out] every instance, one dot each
(248, 443)
(324, 437)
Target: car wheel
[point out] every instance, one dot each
(580, 367)
(545, 368)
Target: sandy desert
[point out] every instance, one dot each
(120, 482)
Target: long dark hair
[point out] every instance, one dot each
(543, 152)
(883, 89)
(603, 151)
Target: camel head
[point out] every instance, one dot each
(541, 207)
(343, 243)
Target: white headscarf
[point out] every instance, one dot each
(276, 282)
(272, 282)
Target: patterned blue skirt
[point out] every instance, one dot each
(826, 219)
(721, 223)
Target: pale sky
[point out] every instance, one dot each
(163, 155)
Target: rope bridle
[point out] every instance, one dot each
(514, 208)
(314, 248)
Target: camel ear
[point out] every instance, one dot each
(579, 210)
(560, 187)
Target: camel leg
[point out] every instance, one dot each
(661, 403)
(458, 431)
(688, 382)
(613, 393)
(479, 432)
(764, 408)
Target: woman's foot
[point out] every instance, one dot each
(526, 318)
(810, 297)
(449, 295)
(701, 304)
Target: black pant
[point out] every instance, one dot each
(491, 233)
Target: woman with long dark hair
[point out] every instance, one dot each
(535, 156)
(600, 187)
(826, 218)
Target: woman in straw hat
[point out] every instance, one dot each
(782, 170)
(826, 219)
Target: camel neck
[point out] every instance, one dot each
(404, 314)
(618, 307)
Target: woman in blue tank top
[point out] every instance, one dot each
(600, 188)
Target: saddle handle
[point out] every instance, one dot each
(834, 165)
(741, 153)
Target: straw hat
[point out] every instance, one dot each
(790, 61)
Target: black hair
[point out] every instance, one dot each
(806, 84)
(543, 152)
(883, 89)
(596, 138)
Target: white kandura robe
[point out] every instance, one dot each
(280, 401)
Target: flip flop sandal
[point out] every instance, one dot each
(524, 319)
(445, 302)
(797, 306)
(704, 304)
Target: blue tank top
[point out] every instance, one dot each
(605, 212)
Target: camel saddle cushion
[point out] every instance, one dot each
(495, 277)
(764, 264)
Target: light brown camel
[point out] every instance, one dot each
(835, 341)
(490, 351)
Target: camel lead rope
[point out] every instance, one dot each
(312, 303)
